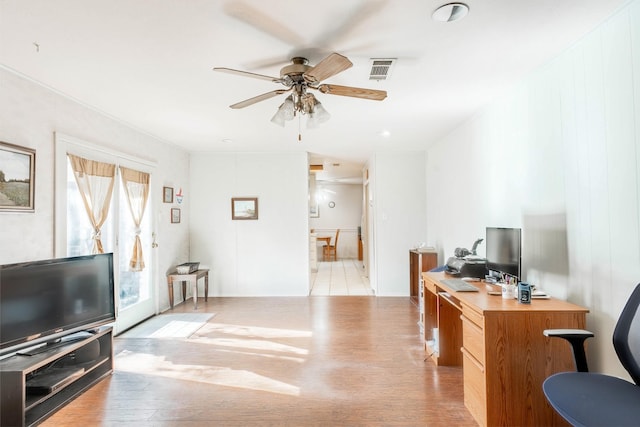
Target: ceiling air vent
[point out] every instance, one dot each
(381, 68)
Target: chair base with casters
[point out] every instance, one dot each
(589, 399)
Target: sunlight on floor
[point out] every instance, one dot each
(178, 325)
(149, 364)
(224, 338)
(252, 331)
(251, 344)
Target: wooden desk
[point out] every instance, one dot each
(191, 278)
(500, 345)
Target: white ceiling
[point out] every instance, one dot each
(149, 63)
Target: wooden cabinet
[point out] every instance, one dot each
(500, 345)
(82, 363)
(419, 262)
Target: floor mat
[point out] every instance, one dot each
(179, 325)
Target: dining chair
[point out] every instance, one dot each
(329, 251)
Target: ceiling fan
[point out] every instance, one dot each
(299, 77)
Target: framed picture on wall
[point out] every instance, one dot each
(175, 215)
(17, 178)
(314, 211)
(167, 194)
(244, 208)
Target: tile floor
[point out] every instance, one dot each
(342, 277)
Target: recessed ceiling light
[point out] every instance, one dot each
(227, 140)
(385, 133)
(450, 12)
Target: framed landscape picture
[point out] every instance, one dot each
(17, 178)
(244, 208)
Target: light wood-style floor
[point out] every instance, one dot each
(341, 277)
(306, 361)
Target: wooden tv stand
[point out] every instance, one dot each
(500, 345)
(23, 408)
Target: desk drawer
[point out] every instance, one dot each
(473, 315)
(429, 285)
(475, 391)
(473, 339)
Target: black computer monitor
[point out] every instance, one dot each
(504, 250)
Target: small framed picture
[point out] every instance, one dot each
(175, 215)
(167, 194)
(244, 208)
(314, 211)
(17, 178)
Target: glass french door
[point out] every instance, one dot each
(135, 295)
(135, 298)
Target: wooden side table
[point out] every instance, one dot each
(191, 278)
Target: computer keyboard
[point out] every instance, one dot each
(459, 285)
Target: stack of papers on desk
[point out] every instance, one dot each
(539, 295)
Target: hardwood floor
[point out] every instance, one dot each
(316, 361)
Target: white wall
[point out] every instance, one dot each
(558, 156)
(264, 257)
(345, 215)
(398, 211)
(29, 116)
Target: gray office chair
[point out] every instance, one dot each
(589, 399)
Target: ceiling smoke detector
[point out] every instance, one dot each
(450, 12)
(381, 68)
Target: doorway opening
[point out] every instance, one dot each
(336, 200)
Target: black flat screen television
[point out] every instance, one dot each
(504, 250)
(42, 301)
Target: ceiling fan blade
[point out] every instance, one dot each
(258, 98)
(329, 66)
(247, 74)
(338, 33)
(263, 22)
(356, 92)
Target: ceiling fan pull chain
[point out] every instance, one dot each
(299, 131)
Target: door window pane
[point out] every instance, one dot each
(134, 285)
(79, 228)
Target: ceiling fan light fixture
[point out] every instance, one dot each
(315, 111)
(286, 111)
(298, 78)
(320, 113)
(278, 117)
(450, 12)
(288, 108)
(312, 122)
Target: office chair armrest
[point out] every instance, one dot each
(568, 333)
(576, 338)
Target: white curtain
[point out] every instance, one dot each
(95, 182)
(136, 186)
